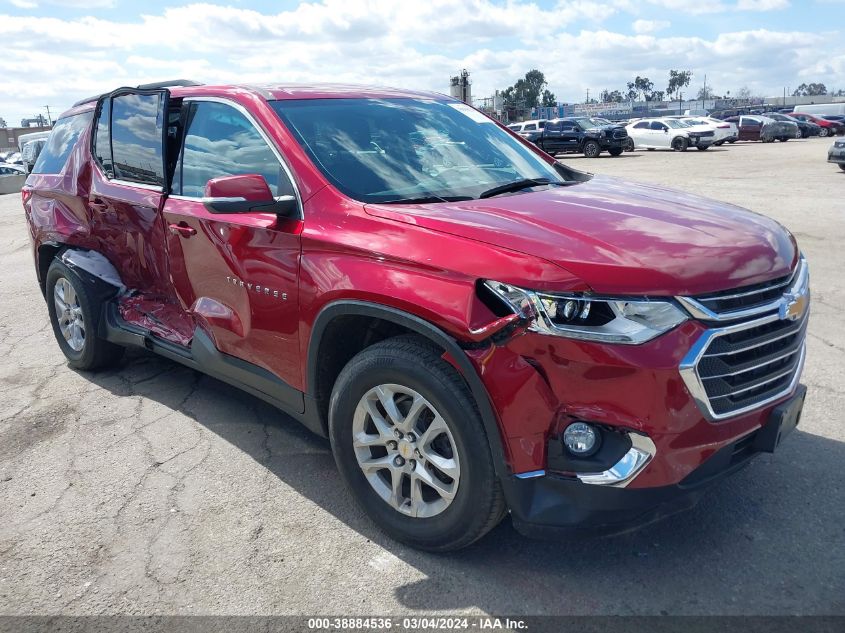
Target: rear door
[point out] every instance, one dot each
(127, 187)
(749, 128)
(236, 273)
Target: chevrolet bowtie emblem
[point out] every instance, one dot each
(793, 307)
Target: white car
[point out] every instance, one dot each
(667, 133)
(528, 129)
(725, 132)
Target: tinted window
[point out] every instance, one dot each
(137, 138)
(220, 141)
(657, 125)
(62, 139)
(553, 127)
(567, 126)
(387, 150)
(102, 141)
(530, 126)
(542, 124)
(642, 125)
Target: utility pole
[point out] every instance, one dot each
(704, 92)
(588, 96)
(49, 118)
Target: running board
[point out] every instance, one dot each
(203, 356)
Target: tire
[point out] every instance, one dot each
(824, 132)
(680, 144)
(76, 327)
(616, 151)
(629, 146)
(800, 133)
(703, 148)
(406, 368)
(842, 166)
(592, 149)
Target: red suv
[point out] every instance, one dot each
(477, 328)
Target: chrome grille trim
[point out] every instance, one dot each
(796, 284)
(713, 370)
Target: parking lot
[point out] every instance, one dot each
(152, 489)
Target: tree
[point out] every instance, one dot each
(705, 93)
(657, 95)
(548, 99)
(743, 94)
(678, 79)
(526, 92)
(641, 86)
(614, 96)
(810, 90)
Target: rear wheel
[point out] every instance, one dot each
(800, 133)
(824, 131)
(410, 444)
(591, 149)
(74, 313)
(680, 144)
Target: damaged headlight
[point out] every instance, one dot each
(581, 316)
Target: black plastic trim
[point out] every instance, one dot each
(431, 332)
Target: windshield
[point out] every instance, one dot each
(588, 123)
(387, 150)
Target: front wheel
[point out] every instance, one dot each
(824, 132)
(74, 313)
(680, 144)
(629, 145)
(799, 134)
(410, 444)
(616, 151)
(592, 149)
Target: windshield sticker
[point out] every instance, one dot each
(473, 114)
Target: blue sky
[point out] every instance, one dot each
(67, 49)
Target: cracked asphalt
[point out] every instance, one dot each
(151, 489)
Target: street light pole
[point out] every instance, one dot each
(49, 118)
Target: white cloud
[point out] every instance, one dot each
(413, 44)
(24, 4)
(650, 26)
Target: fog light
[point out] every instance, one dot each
(581, 439)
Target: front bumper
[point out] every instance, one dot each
(836, 155)
(611, 143)
(551, 505)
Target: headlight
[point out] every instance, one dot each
(581, 316)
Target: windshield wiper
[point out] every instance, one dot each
(516, 185)
(426, 199)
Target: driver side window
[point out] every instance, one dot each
(221, 141)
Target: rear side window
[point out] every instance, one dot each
(62, 139)
(137, 138)
(530, 126)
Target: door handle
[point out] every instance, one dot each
(182, 229)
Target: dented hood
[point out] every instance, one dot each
(621, 237)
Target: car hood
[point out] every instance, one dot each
(621, 237)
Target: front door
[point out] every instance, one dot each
(235, 273)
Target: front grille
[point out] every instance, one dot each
(748, 366)
(747, 297)
(618, 134)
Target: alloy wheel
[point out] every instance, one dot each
(406, 450)
(69, 314)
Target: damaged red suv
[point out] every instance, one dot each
(477, 328)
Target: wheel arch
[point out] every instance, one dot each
(383, 321)
(46, 253)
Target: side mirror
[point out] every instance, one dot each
(244, 194)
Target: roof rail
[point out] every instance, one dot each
(173, 83)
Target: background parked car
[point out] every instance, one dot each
(836, 154)
(806, 129)
(828, 128)
(583, 135)
(724, 132)
(30, 153)
(12, 178)
(819, 109)
(529, 129)
(666, 133)
(14, 158)
(762, 128)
